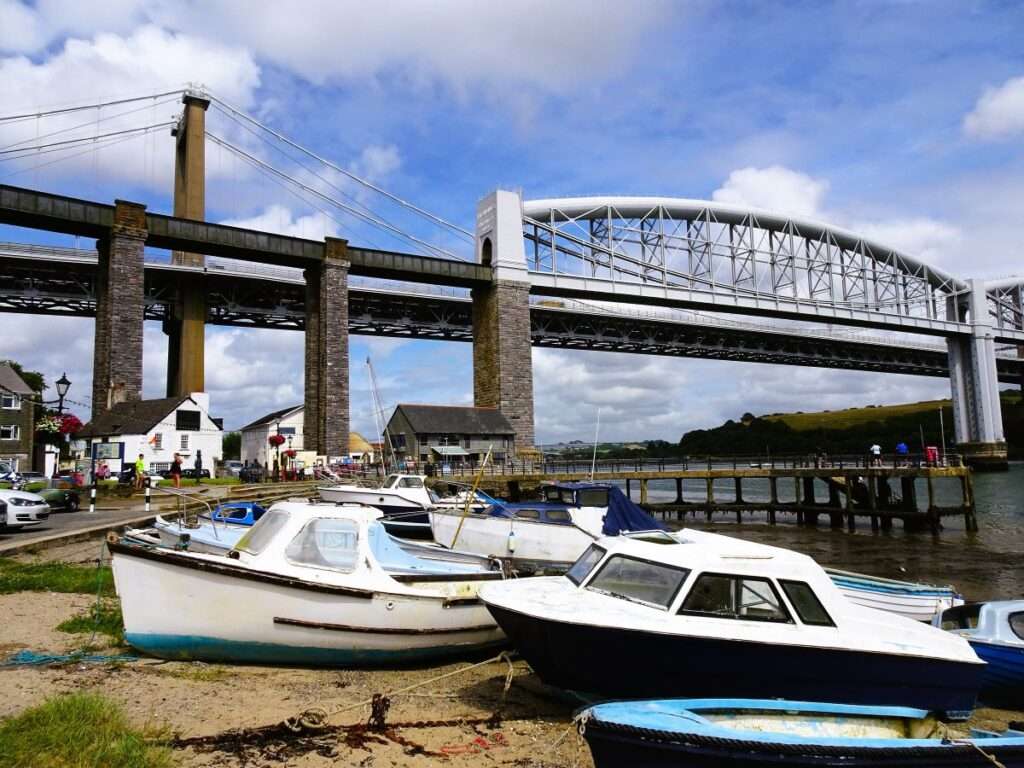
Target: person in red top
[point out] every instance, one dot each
(176, 471)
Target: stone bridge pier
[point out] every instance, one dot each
(502, 361)
(977, 411)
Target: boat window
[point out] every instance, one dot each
(582, 567)
(410, 482)
(258, 512)
(390, 481)
(639, 580)
(1017, 624)
(593, 497)
(734, 597)
(237, 514)
(326, 543)
(558, 516)
(961, 617)
(256, 538)
(527, 514)
(808, 606)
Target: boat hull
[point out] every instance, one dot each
(177, 607)
(616, 747)
(1003, 680)
(919, 602)
(666, 665)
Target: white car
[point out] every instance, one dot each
(23, 508)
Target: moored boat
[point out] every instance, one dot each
(542, 536)
(697, 614)
(316, 584)
(709, 733)
(995, 631)
(920, 602)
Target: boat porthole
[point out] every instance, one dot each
(390, 605)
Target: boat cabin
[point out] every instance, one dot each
(577, 494)
(238, 513)
(1000, 621)
(305, 539)
(553, 514)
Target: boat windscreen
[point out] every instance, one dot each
(326, 543)
(1017, 624)
(639, 581)
(593, 497)
(266, 528)
(582, 567)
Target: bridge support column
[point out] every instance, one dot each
(502, 355)
(977, 411)
(325, 421)
(186, 326)
(120, 295)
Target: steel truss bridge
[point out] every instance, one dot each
(61, 281)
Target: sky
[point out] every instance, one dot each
(903, 121)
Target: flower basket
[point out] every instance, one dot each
(276, 440)
(290, 453)
(70, 424)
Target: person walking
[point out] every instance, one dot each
(140, 472)
(876, 455)
(902, 454)
(199, 467)
(176, 471)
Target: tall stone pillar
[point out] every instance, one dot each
(186, 327)
(977, 411)
(325, 422)
(502, 353)
(117, 353)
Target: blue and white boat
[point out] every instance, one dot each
(920, 602)
(237, 513)
(751, 733)
(694, 613)
(310, 584)
(995, 631)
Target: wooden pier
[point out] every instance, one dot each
(842, 494)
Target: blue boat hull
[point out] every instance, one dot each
(1003, 680)
(213, 649)
(622, 747)
(654, 665)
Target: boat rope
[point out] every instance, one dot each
(577, 726)
(987, 755)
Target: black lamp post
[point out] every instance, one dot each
(290, 462)
(63, 385)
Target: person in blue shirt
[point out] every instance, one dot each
(902, 452)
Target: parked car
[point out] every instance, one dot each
(232, 468)
(23, 509)
(33, 477)
(127, 475)
(61, 499)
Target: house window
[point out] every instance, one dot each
(158, 441)
(10, 402)
(286, 431)
(9, 432)
(187, 421)
(184, 443)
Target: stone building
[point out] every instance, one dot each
(17, 430)
(449, 434)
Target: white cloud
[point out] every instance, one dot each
(22, 30)
(376, 163)
(934, 242)
(999, 112)
(774, 188)
(108, 66)
(281, 220)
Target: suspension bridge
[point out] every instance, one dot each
(663, 276)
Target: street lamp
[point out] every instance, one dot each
(277, 475)
(63, 385)
(289, 455)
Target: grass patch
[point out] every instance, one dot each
(187, 482)
(79, 730)
(54, 577)
(854, 417)
(104, 618)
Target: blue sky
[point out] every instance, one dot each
(903, 120)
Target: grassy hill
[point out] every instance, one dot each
(847, 431)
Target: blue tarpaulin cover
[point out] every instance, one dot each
(624, 515)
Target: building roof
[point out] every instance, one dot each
(454, 419)
(271, 417)
(135, 417)
(10, 381)
(358, 444)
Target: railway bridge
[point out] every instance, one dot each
(631, 274)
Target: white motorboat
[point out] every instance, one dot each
(543, 536)
(319, 584)
(701, 614)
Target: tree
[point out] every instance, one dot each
(231, 445)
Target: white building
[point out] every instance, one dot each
(157, 429)
(288, 423)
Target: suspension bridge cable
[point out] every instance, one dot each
(64, 110)
(372, 220)
(95, 147)
(104, 119)
(27, 151)
(223, 105)
(275, 147)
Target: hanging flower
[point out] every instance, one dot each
(49, 424)
(290, 453)
(70, 424)
(276, 440)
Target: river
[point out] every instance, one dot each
(985, 565)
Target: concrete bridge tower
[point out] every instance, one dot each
(186, 327)
(502, 363)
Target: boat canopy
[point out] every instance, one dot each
(622, 515)
(1000, 621)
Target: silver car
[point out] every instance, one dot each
(23, 508)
